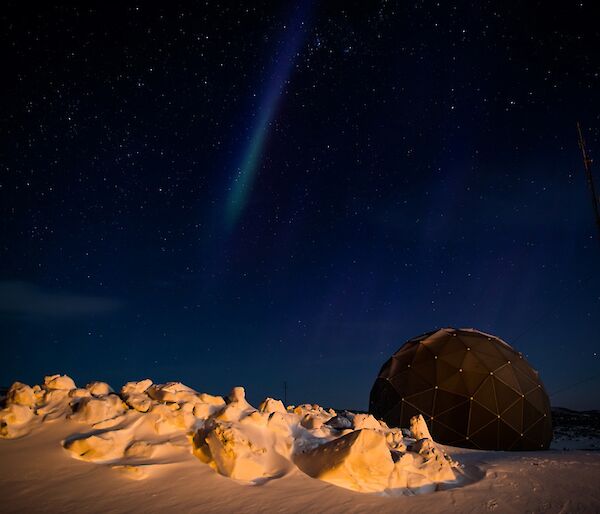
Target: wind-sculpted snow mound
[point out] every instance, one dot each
(148, 425)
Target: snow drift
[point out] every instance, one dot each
(148, 424)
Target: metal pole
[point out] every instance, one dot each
(587, 164)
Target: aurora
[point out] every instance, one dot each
(283, 63)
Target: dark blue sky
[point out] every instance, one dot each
(246, 195)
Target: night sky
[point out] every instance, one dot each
(246, 195)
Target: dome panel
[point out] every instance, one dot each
(456, 417)
(505, 396)
(449, 344)
(526, 380)
(422, 354)
(507, 376)
(454, 358)
(442, 432)
(445, 400)
(507, 436)
(408, 411)
(486, 395)
(479, 417)
(426, 369)
(538, 399)
(513, 415)
(387, 368)
(383, 397)
(482, 345)
(444, 371)
(394, 415)
(401, 361)
(473, 380)
(454, 383)
(531, 415)
(472, 364)
(487, 436)
(491, 362)
(435, 343)
(408, 382)
(536, 431)
(422, 401)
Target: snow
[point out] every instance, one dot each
(155, 447)
(99, 388)
(271, 405)
(14, 420)
(61, 382)
(21, 394)
(93, 410)
(359, 460)
(418, 428)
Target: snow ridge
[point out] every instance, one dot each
(147, 425)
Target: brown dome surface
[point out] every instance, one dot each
(473, 389)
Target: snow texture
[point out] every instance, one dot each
(163, 447)
(148, 422)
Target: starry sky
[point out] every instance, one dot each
(278, 192)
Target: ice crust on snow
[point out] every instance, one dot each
(147, 424)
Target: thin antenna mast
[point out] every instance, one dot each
(587, 164)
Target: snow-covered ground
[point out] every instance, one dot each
(576, 430)
(155, 448)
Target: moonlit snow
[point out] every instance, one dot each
(222, 454)
(147, 421)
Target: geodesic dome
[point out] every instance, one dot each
(473, 389)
